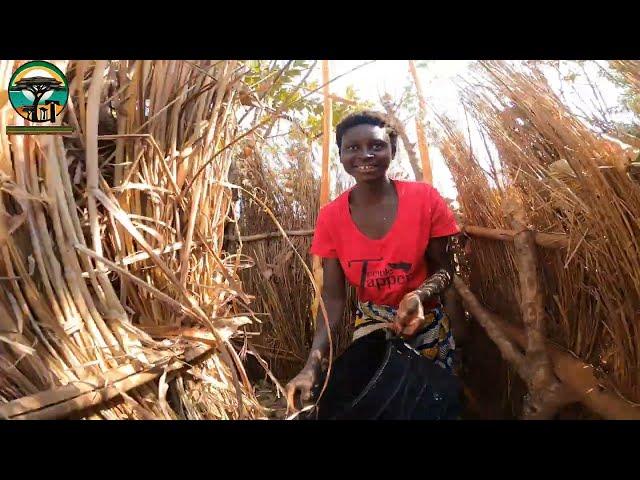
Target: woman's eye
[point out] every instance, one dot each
(377, 147)
(352, 148)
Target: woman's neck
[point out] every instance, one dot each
(372, 192)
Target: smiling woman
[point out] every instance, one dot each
(366, 150)
(393, 77)
(387, 238)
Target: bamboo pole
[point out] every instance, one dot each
(327, 123)
(422, 137)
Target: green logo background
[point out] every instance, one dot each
(19, 100)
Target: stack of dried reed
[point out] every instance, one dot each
(571, 181)
(116, 299)
(284, 180)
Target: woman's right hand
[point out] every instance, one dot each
(410, 316)
(301, 384)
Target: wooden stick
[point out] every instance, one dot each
(53, 396)
(62, 401)
(546, 394)
(327, 125)
(488, 321)
(571, 371)
(547, 240)
(402, 133)
(580, 377)
(338, 99)
(262, 236)
(89, 399)
(422, 137)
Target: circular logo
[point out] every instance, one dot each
(38, 91)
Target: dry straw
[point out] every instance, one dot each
(571, 181)
(115, 287)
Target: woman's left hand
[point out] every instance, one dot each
(410, 316)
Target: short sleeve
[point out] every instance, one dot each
(443, 223)
(323, 244)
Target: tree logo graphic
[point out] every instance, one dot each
(39, 92)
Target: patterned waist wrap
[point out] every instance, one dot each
(434, 341)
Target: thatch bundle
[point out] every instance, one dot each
(279, 282)
(571, 181)
(630, 71)
(283, 175)
(116, 298)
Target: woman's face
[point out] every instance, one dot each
(366, 152)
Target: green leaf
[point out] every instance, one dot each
(350, 93)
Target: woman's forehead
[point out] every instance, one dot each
(365, 132)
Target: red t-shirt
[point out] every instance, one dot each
(384, 270)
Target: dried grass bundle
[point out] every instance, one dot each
(115, 286)
(571, 181)
(285, 182)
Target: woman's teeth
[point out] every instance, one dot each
(365, 168)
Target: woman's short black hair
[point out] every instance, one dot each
(366, 117)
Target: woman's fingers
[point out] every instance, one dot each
(301, 385)
(305, 393)
(411, 328)
(396, 327)
(291, 394)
